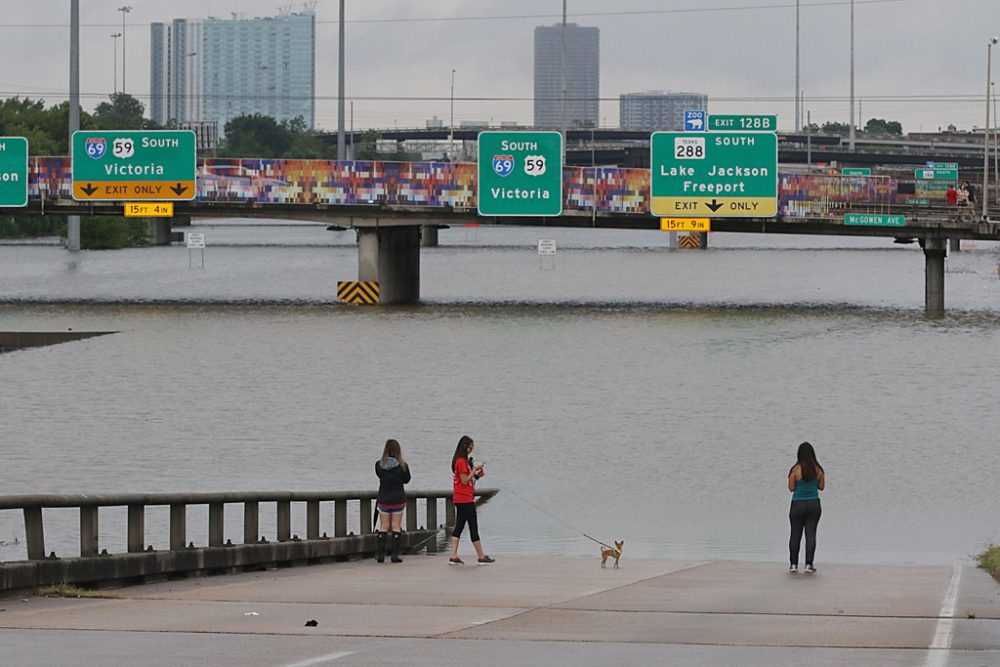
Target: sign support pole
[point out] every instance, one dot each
(73, 222)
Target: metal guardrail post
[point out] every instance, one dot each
(284, 520)
(411, 513)
(34, 532)
(216, 524)
(136, 528)
(312, 519)
(251, 522)
(366, 516)
(339, 518)
(449, 512)
(178, 527)
(88, 531)
(432, 514)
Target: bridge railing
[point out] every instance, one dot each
(214, 554)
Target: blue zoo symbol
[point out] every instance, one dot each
(694, 121)
(503, 165)
(96, 147)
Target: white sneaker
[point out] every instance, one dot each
(794, 569)
(810, 569)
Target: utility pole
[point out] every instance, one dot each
(341, 148)
(986, 128)
(124, 10)
(73, 222)
(851, 130)
(798, 107)
(562, 78)
(451, 121)
(114, 37)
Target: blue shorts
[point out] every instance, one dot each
(391, 509)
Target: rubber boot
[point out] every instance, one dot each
(380, 546)
(395, 548)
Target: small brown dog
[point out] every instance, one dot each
(615, 553)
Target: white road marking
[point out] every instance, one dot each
(937, 655)
(320, 659)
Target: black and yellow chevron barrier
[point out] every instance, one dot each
(358, 291)
(689, 240)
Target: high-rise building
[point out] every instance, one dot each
(657, 110)
(218, 69)
(583, 77)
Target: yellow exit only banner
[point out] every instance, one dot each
(159, 209)
(685, 225)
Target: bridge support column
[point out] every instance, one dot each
(955, 245)
(391, 255)
(703, 240)
(672, 240)
(428, 236)
(159, 231)
(934, 254)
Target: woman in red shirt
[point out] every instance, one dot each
(465, 475)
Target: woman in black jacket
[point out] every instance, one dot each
(392, 473)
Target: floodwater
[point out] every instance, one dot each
(623, 390)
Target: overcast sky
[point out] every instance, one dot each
(922, 62)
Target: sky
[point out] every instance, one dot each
(921, 62)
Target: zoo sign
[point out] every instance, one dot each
(134, 165)
(520, 173)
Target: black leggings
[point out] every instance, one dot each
(466, 513)
(804, 514)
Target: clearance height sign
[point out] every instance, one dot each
(134, 165)
(716, 174)
(520, 173)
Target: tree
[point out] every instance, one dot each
(368, 148)
(123, 113)
(882, 126)
(256, 136)
(836, 128)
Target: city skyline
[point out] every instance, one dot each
(911, 65)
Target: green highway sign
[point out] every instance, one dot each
(943, 165)
(520, 173)
(742, 123)
(874, 219)
(133, 165)
(13, 171)
(856, 171)
(714, 175)
(917, 202)
(936, 174)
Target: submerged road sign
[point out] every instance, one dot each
(718, 174)
(128, 165)
(13, 171)
(520, 173)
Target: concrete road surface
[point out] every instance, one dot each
(523, 611)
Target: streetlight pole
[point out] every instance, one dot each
(851, 130)
(73, 222)
(124, 10)
(562, 82)
(341, 148)
(114, 37)
(451, 121)
(996, 144)
(986, 128)
(798, 108)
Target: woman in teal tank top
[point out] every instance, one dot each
(805, 480)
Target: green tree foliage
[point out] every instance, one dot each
(124, 112)
(263, 136)
(882, 126)
(836, 128)
(47, 130)
(96, 232)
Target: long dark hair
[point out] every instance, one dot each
(392, 449)
(462, 451)
(807, 463)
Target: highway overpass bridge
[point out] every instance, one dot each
(395, 206)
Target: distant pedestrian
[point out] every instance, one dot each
(963, 194)
(805, 480)
(465, 473)
(393, 473)
(951, 196)
(972, 193)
